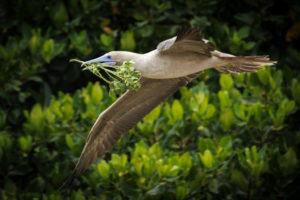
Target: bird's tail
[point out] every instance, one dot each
(238, 64)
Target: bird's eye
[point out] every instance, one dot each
(109, 57)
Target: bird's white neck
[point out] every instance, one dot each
(125, 55)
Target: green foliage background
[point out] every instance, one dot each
(222, 137)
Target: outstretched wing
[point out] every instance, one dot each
(123, 115)
(187, 40)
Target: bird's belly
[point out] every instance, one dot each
(164, 67)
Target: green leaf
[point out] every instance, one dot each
(227, 119)
(225, 100)
(181, 191)
(250, 45)
(48, 50)
(104, 169)
(254, 154)
(106, 40)
(288, 162)
(127, 41)
(153, 115)
(35, 120)
(203, 105)
(59, 14)
(140, 149)
(235, 39)
(69, 141)
(296, 90)
(97, 93)
(226, 143)
(25, 143)
(205, 143)
(35, 41)
(146, 31)
(239, 111)
(199, 97)
(247, 154)
(226, 81)
(67, 110)
(210, 112)
(158, 189)
(185, 163)
(78, 195)
(118, 162)
(81, 42)
(272, 82)
(258, 110)
(239, 179)
(244, 32)
(207, 159)
(289, 106)
(263, 76)
(149, 167)
(278, 76)
(214, 185)
(177, 110)
(155, 150)
(50, 116)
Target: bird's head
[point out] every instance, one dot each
(113, 58)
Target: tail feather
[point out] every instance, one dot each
(239, 64)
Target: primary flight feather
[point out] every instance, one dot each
(173, 64)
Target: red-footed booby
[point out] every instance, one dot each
(173, 64)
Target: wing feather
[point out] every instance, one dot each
(188, 40)
(123, 115)
(239, 64)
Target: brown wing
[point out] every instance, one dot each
(188, 40)
(123, 115)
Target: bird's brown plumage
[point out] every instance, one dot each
(123, 115)
(187, 40)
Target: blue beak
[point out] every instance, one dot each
(103, 59)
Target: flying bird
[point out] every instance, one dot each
(173, 64)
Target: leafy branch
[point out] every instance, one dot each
(120, 78)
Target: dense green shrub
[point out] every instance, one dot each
(206, 144)
(222, 137)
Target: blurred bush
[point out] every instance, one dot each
(223, 137)
(234, 143)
